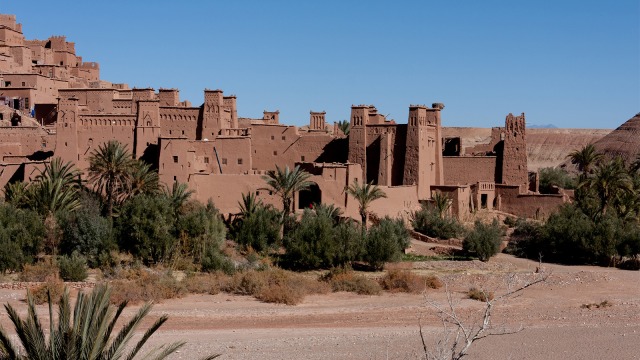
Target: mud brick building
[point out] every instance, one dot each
(53, 104)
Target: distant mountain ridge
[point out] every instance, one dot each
(548, 126)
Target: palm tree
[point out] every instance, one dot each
(17, 194)
(285, 183)
(249, 205)
(345, 126)
(585, 159)
(57, 170)
(442, 203)
(52, 196)
(56, 189)
(609, 181)
(85, 334)
(109, 170)
(328, 210)
(365, 194)
(142, 180)
(179, 194)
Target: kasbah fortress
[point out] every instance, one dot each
(53, 104)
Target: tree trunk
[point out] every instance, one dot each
(109, 199)
(365, 219)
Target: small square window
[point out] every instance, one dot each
(175, 178)
(224, 161)
(273, 137)
(182, 132)
(258, 193)
(275, 153)
(175, 159)
(24, 83)
(239, 161)
(284, 137)
(270, 192)
(206, 159)
(302, 158)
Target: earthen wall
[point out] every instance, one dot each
(534, 206)
(461, 170)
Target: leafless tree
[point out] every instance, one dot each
(458, 334)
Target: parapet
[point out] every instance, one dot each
(89, 65)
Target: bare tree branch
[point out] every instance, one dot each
(449, 347)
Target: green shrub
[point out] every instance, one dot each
(427, 221)
(312, 243)
(214, 260)
(484, 240)
(22, 234)
(72, 268)
(259, 230)
(145, 228)
(550, 177)
(87, 233)
(199, 228)
(526, 239)
(385, 242)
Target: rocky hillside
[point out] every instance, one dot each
(550, 147)
(545, 147)
(623, 141)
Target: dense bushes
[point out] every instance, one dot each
(22, 235)
(571, 236)
(87, 233)
(555, 177)
(430, 222)
(144, 228)
(385, 242)
(73, 268)
(259, 229)
(150, 229)
(316, 241)
(484, 240)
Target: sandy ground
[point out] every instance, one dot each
(348, 326)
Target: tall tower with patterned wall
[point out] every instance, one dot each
(514, 155)
(415, 167)
(67, 130)
(212, 114)
(147, 126)
(358, 136)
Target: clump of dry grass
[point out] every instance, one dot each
(39, 272)
(480, 295)
(205, 283)
(602, 304)
(347, 280)
(406, 281)
(274, 286)
(53, 287)
(145, 285)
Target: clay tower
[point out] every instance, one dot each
(358, 136)
(67, 130)
(514, 155)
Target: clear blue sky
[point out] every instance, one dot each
(567, 63)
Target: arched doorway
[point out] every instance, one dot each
(312, 195)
